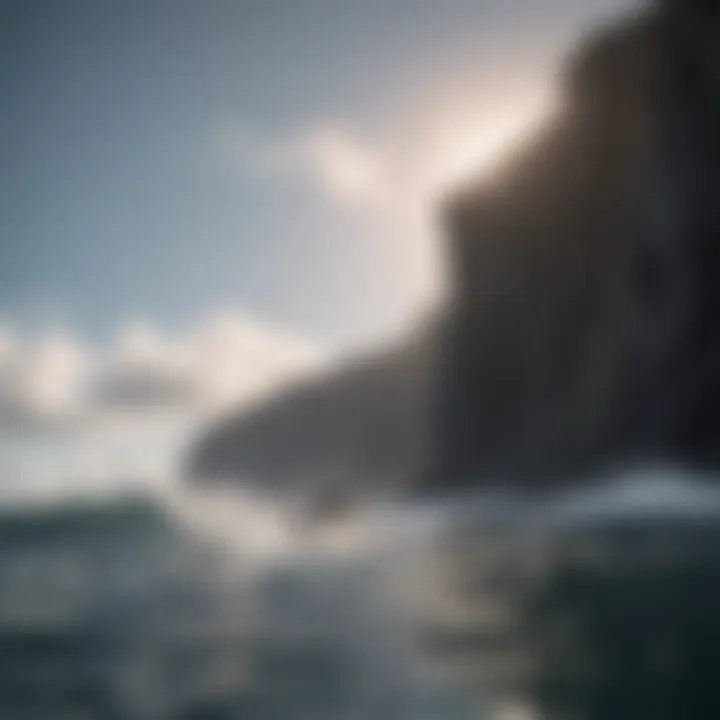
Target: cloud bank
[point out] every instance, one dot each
(55, 379)
(79, 417)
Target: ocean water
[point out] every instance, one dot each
(127, 608)
(154, 607)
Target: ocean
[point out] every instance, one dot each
(149, 607)
(121, 608)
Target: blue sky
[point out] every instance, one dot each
(201, 198)
(116, 201)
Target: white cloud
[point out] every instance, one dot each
(81, 419)
(226, 358)
(340, 163)
(42, 381)
(143, 371)
(138, 342)
(53, 373)
(234, 358)
(350, 169)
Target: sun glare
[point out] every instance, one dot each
(457, 141)
(472, 141)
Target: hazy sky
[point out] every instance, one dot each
(161, 158)
(199, 198)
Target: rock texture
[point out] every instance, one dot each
(352, 433)
(580, 332)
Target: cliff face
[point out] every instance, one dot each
(580, 331)
(582, 328)
(356, 431)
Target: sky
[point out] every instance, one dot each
(179, 178)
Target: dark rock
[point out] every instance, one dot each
(582, 325)
(333, 440)
(580, 328)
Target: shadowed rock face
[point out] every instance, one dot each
(582, 328)
(583, 334)
(355, 432)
